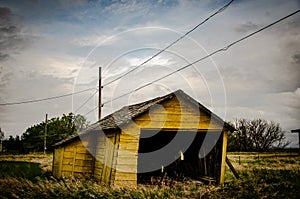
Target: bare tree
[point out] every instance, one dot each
(256, 135)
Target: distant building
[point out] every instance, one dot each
(114, 157)
(297, 131)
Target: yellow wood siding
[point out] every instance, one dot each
(106, 153)
(223, 161)
(77, 161)
(57, 162)
(172, 114)
(100, 154)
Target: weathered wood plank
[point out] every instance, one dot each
(127, 153)
(69, 149)
(125, 177)
(68, 154)
(57, 161)
(125, 183)
(98, 170)
(171, 117)
(106, 175)
(128, 147)
(127, 168)
(73, 162)
(127, 160)
(125, 137)
(122, 176)
(235, 173)
(66, 173)
(73, 169)
(67, 161)
(79, 156)
(82, 149)
(83, 162)
(176, 125)
(223, 161)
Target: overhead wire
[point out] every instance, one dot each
(45, 99)
(170, 45)
(152, 82)
(86, 101)
(90, 111)
(205, 57)
(70, 94)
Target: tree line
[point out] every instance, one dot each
(250, 135)
(32, 140)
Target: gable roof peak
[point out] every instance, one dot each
(127, 113)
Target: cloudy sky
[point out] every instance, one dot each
(52, 48)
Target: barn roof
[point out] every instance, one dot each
(127, 113)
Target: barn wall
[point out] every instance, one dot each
(106, 152)
(100, 153)
(177, 114)
(126, 162)
(73, 159)
(173, 114)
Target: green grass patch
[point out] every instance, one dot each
(17, 169)
(263, 183)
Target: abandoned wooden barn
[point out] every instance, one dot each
(171, 135)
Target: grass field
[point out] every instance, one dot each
(264, 175)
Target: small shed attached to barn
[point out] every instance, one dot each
(171, 135)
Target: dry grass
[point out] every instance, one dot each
(263, 176)
(280, 161)
(75, 188)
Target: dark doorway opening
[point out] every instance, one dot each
(186, 162)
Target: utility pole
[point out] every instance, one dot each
(45, 134)
(100, 96)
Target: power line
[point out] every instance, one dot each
(90, 111)
(174, 42)
(66, 95)
(86, 101)
(205, 57)
(45, 99)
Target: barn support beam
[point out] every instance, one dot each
(223, 161)
(232, 168)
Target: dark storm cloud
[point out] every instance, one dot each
(4, 12)
(11, 38)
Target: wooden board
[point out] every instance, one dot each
(57, 162)
(223, 161)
